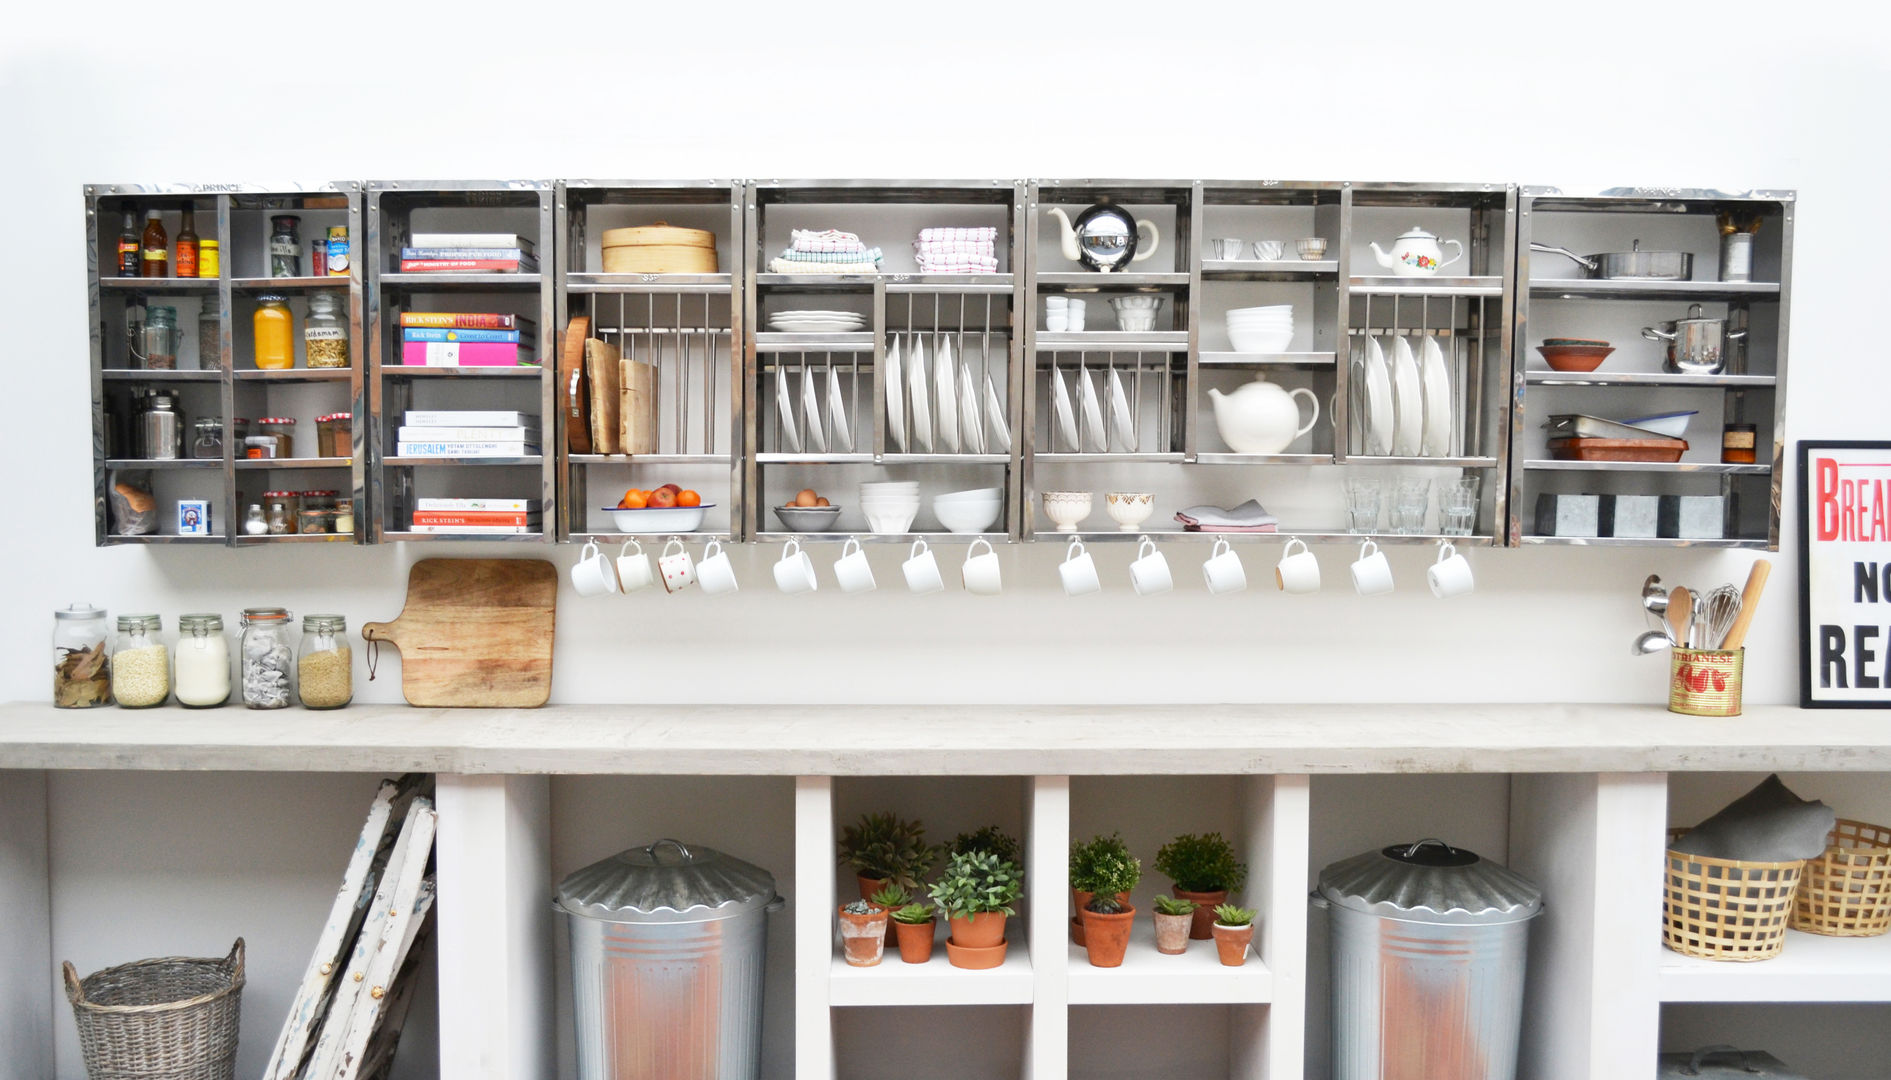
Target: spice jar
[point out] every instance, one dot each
(283, 508)
(82, 666)
(274, 347)
(285, 246)
(209, 258)
(266, 658)
(335, 435)
(254, 523)
(1738, 444)
(209, 443)
(203, 661)
(210, 337)
(281, 429)
(345, 516)
(141, 665)
(324, 333)
(324, 667)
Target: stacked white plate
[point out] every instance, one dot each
(817, 322)
(968, 511)
(1261, 329)
(890, 506)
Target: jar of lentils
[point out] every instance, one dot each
(324, 668)
(141, 665)
(267, 658)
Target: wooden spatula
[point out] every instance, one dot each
(1680, 612)
(1749, 602)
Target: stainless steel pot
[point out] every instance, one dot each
(1723, 1063)
(1636, 265)
(1694, 343)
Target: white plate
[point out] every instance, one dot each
(812, 327)
(995, 409)
(811, 406)
(1119, 414)
(1356, 419)
(838, 435)
(944, 373)
(1093, 414)
(895, 415)
(969, 424)
(1066, 416)
(1437, 379)
(1378, 401)
(1408, 402)
(916, 387)
(816, 313)
(784, 411)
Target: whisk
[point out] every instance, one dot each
(1718, 612)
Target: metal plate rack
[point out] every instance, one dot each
(394, 211)
(1556, 300)
(229, 385)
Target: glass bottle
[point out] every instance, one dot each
(129, 245)
(254, 524)
(203, 661)
(280, 523)
(210, 335)
(324, 667)
(285, 246)
(141, 665)
(267, 658)
(155, 247)
(82, 666)
(187, 244)
(275, 330)
(159, 339)
(324, 334)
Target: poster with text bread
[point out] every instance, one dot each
(639, 412)
(573, 395)
(601, 366)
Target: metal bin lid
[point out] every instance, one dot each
(667, 882)
(1431, 882)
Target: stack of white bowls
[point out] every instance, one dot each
(972, 511)
(1261, 329)
(890, 506)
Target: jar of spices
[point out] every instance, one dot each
(209, 258)
(335, 435)
(141, 665)
(285, 246)
(266, 658)
(210, 336)
(312, 522)
(203, 661)
(324, 667)
(274, 346)
(281, 429)
(82, 666)
(325, 333)
(282, 519)
(254, 523)
(209, 443)
(345, 516)
(1739, 444)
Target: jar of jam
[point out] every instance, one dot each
(274, 325)
(1738, 444)
(280, 428)
(335, 435)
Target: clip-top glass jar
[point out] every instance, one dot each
(285, 246)
(266, 658)
(324, 667)
(203, 661)
(82, 666)
(324, 332)
(209, 442)
(141, 665)
(273, 343)
(210, 334)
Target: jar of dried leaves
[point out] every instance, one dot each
(82, 668)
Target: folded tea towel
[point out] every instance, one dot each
(864, 255)
(958, 266)
(975, 233)
(790, 266)
(955, 247)
(1250, 516)
(825, 240)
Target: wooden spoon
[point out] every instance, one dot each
(1680, 611)
(1749, 600)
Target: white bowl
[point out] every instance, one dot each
(1129, 509)
(974, 494)
(1269, 309)
(1136, 322)
(1067, 509)
(889, 489)
(967, 517)
(807, 518)
(891, 524)
(1143, 302)
(1260, 324)
(659, 519)
(1260, 341)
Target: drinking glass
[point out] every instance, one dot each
(1362, 504)
(1457, 506)
(1411, 500)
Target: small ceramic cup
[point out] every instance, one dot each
(1227, 247)
(922, 570)
(1311, 248)
(1076, 310)
(716, 572)
(1372, 573)
(1056, 322)
(593, 574)
(1223, 571)
(1269, 250)
(1078, 571)
(1298, 571)
(980, 571)
(1149, 574)
(633, 568)
(851, 569)
(794, 572)
(676, 567)
(1451, 574)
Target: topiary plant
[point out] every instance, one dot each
(976, 882)
(1230, 915)
(990, 838)
(890, 897)
(913, 914)
(885, 848)
(1204, 863)
(1104, 866)
(1169, 905)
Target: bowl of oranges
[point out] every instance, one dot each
(668, 509)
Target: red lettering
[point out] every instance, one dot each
(1848, 510)
(1877, 511)
(1826, 506)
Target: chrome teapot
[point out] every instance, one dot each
(1106, 237)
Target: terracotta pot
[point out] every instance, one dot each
(1080, 899)
(915, 941)
(1232, 943)
(1076, 931)
(863, 937)
(1172, 933)
(1203, 927)
(1106, 937)
(981, 931)
(962, 956)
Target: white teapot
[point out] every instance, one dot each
(1260, 417)
(1416, 254)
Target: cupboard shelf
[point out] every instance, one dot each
(444, 371)
(158, 285)
(895, 982)
(202, 464)
(443, 282)
(270, 464)
(140, 375)
(1731, 544)
(1617, 289)
(294, 375)
(1283, 359)
(1703, 468)
(1270, 270)
(1147, 977)
(1649, 378)
(1811, 967)
(287, 284)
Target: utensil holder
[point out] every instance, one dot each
(1705, 682)
(1846, 892)
(172, 1018)
(1722, 909)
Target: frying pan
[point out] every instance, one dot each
(1636, 265)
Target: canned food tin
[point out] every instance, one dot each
(1705, 682)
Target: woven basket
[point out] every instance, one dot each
(173, 1018)
(1720, 909)
(1847, 891)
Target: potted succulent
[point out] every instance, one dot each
(1234, 932)
(1204, 870)
(1097, 862)
(884, 849)
(1173, 919)
(862, 932)
(892, 898)
(1107, 916)
(976, 890)
(912, 925)
(990, 838)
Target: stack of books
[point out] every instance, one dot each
(491, 517)
(469, 253)
(467, 433)
(467, 339)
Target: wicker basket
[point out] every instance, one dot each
(173, 1018)
(1847, 891)
(1721, 909)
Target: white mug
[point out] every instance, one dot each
(1223, 571)
(1150, 572)
(1297, 571)
(794, 573)
(715, 571)
(851, 569)
(633, 571)
(1451, 574)
(678, 571)
(1078, 570)
(980, 572)
(922, 570)
(1372, 574)
(593, 574)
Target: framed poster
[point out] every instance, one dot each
(1844, 575)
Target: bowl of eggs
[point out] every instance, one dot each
(807, 512)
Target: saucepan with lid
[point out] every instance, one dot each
(1635, 265)
(1694, 343)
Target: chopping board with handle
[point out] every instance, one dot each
(475, 633)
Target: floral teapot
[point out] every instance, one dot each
(1261, 417)
(1106, 237)
(1416, 254)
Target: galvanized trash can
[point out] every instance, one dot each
(1428, 948)
(667, 948)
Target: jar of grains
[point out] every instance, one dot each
(266, 658)
(324, 667)
(82, 666)
(324, 333)
(141, 668)
(203, 661)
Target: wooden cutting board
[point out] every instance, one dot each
(603, 370)
(475, 633)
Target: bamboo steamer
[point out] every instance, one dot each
(659, 249)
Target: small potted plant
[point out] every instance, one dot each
(1101, 869)
(1204, 870)
(885, 850)
(912, 925)
(892, 898)
(1173, 919)
(976, 890)
(1234, 932)
(862, 932)
(990, 838)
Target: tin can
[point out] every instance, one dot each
(209, 258)
(318, 257)
(337, 251)
(1705, 682)
(193, 517)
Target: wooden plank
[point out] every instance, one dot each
(638, 412)
(475, 632)
(601, 365)
(413, 897)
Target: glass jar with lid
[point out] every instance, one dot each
(209, 443)
(267, 658)
(335, 435)
(82, 666)
(281, 429)
(285, 246)
(324, 667)
(280, 509)
(274, 326)
(141, 665)
(210, 334)
(345, 516)
(203, 661)
(312, 522)
(325, 332)
(159, 339)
